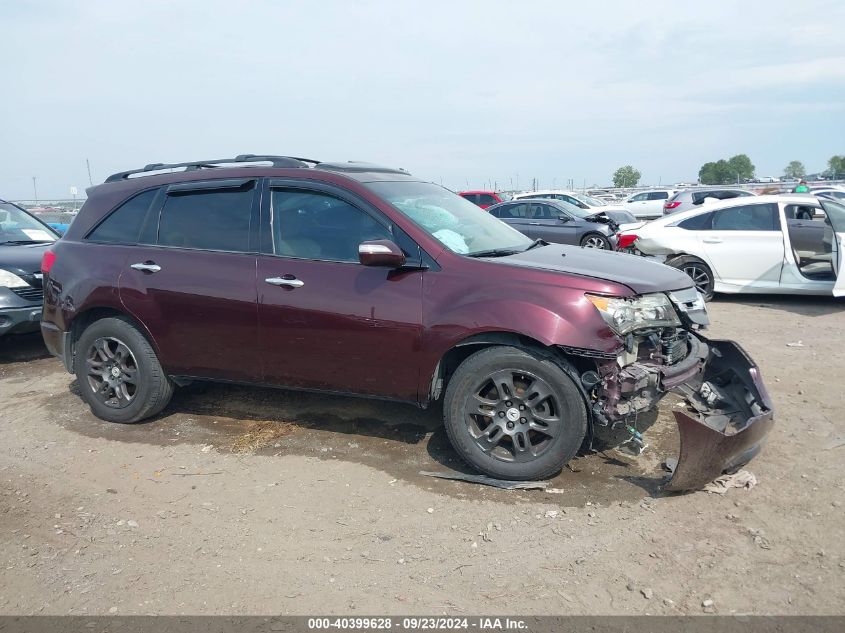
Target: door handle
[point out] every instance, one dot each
(712, 240)
(147, 267)
(288, 283)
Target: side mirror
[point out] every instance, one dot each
(381, 253)
(564, 219)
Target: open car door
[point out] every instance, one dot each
(836, 217)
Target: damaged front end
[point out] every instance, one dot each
(727, 411)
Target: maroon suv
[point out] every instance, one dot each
(357, 279)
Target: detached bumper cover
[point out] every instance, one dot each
(729, 413)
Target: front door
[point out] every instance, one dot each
(326, 321)
(548, 223)
(193, 284)
(835, 212)
(745, 245)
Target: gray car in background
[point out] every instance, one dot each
(560, 223)
(694, 198)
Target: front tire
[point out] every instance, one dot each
(594, 240)
(118, 372)
(698, 271)
(514, 415)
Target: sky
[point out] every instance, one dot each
(471, 94)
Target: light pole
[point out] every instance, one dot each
(35, 189)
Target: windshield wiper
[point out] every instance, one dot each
(19, 242)
(494, 252)
(537, 243)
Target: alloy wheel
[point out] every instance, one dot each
(112, 372)
(595, 242)
(700, 277)
(513, 416)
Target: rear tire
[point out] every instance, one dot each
(698, 271)
(594, 240)
(118, 372)
(514, 415)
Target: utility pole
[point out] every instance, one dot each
(88, 165)
(35, 190)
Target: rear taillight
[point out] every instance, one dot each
(671, 205)
(47, 261)
(626, 240)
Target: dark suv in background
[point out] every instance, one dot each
(351, 278)
(23, 241)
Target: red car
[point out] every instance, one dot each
(484, 199)
(351, 278)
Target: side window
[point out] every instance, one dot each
(800, 212)
(752, 217)
(574, 201)
(658, 195)
(700, 222)
(486, 198)
(640, 197)
(513, 211)
(215, 220)
(542, 212)
(471, 197)
(123, 225)
(315, 225)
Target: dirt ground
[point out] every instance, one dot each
(242, 500)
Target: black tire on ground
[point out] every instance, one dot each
(698, 271)
(594, 240)
(532, 376)
(147, 395)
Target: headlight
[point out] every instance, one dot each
(625, 315)
(11, 280)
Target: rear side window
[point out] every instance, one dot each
(471, 197)
(486, 198)
(697, 222)
(513, 211)
(752, 217)
(214, 220)
(123, 225)
(658, 195)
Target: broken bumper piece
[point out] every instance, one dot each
(727, 417)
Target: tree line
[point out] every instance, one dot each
(735, 169)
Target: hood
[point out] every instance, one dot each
(638, 273)
(23, 259)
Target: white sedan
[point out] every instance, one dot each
(774, 244)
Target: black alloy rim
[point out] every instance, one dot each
(513, 415)
(112, 372)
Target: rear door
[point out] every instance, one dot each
(191, 280)
(326, 321)
(835, 212)
(654, 203)
(744, 243)
(638, 204)
(518, 215)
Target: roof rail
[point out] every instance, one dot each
(276, 161)
(354, 166)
